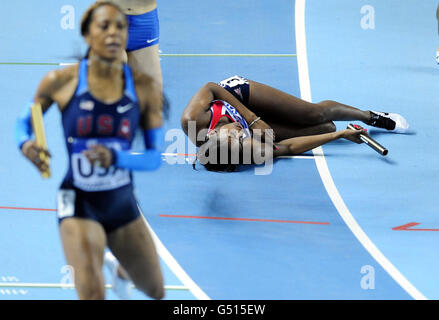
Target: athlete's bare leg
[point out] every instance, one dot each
(84, 241)
(147, 60)
(283, 131)
(134, 248)
(273, 104)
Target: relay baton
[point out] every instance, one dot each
(369, 141)
(40, 136)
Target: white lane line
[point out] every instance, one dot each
(175, 266)
(194, 155)
(35, 285)
(296, 157)
(182, 55)
(322, 166)
(263, 55)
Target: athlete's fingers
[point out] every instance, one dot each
(45, 151)
(105, 156)
(98, 155)
(41, 165)
(91, 155)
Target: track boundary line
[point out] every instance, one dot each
(36, 285)
(322, 166)
(164, 55)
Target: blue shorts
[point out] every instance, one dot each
(112, 209)
(238, 86)
(143, 30)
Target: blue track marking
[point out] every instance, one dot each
(392, 69)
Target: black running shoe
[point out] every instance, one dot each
(389, 121)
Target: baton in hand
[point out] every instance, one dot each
(369, 141)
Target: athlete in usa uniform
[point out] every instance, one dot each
(143, 36)
(103, 103)
(142, 54)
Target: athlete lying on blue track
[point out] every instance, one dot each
(237, 114)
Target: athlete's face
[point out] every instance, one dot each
(108, 33)
(231, 132)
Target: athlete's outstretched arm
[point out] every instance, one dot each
(49, 85)
(300, 145)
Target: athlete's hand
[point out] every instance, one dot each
(261, 129)
(352, 135)
(99, 155)
(32, 151)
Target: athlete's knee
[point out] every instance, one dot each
(329, 127)
(89, 285)
(157, 292)
(317, 114)
(154, 288)
(325, 109)
(90, 290)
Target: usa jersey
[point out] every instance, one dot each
(88, 121)
(238, 86)
(219, 109)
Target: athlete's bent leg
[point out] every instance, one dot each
(283, 132)
(273, 104)
(134, 248)
(84, 242)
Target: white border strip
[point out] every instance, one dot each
(305, 90)
(174, 266)
(34, 285)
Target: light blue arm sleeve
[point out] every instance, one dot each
(23, 127)
(148, 160)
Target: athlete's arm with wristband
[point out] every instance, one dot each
(148, 160)
(23, 127)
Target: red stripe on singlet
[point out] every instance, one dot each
(217, 109)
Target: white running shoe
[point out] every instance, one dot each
(121, 287)
(390, 121)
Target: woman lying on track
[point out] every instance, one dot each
(102, 103)
(237, 114)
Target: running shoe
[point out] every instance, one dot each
(389, 121)
(121, 287)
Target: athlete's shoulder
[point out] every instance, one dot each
(55, 80)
